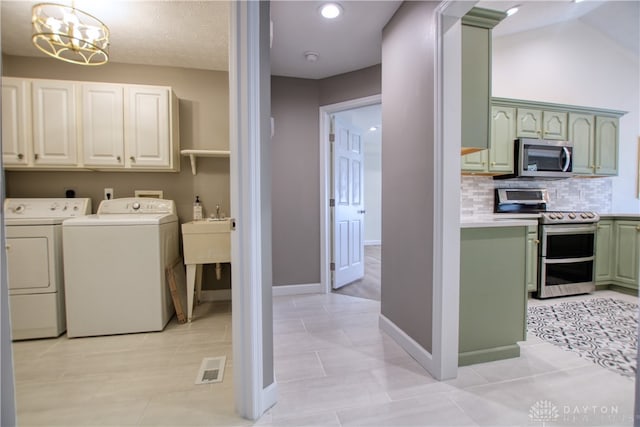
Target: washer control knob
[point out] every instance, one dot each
(560, 216)
(135, 206)
(572, 215)
(53, 207)
(583, 215)
(19, 209)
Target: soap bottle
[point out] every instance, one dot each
(197, 209)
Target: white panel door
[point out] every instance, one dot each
(348, 213)
(147, 127)
(14, 121)
(54, 123)
(103, 125)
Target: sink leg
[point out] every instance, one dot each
(198, 283)
(191, 280)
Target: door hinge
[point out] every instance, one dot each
(332, 203)
(332, 266)
(332, 137)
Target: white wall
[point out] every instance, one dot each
(575, 64)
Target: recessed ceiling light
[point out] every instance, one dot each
(373, 128)
(578, 1)
(512, 11)
(311, 56)
(330, 10)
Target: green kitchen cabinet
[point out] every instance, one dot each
(493, 293)
(604, 250)
(595, 144)
(499, 158)
(541, 124)
(606, 146)
(531, 267)
(476, 77)
(627, 250)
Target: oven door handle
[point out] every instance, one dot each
(558, 229)
(567, 260)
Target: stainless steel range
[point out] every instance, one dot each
(567, 238)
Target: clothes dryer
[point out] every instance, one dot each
(34, 263)
(115, 265)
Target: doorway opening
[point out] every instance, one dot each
(351, 245)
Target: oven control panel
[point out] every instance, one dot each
(551, 217)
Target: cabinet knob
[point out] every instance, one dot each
(484, 163)
(637, 227)
(536, 241)
(493, 163)
(597, 167)
(35, 156)
(118, 159)
(20, 156)
(133, 159)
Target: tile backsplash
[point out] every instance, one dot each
(583, 194)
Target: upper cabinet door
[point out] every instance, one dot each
(606, 146)
(15, 121)
(147, 127)
(103, 125)
(503, 134)
(54, 123)
(529, 123)
(554, 125)
(582, 134)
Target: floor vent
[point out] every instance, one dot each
(211, 370)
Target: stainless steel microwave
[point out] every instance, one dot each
(542, 159)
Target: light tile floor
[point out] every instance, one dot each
(334, 368)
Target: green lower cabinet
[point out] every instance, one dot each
(532, 258)
(493, 293)
(627, 250)
(604, 249)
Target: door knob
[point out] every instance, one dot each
(364, 211)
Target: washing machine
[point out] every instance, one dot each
(34, 263)
(114, 266)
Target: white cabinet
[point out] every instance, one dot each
(15, 123)
(103, 125)
(54, 123)
(148, 127)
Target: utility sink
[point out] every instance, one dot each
(207, 241)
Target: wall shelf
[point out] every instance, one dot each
(193, 154)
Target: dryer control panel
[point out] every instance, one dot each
(46, 208)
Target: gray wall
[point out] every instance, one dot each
(204, 123)
(408, 183)
(295, 105)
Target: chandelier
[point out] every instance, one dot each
(69, 34)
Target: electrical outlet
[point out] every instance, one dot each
(108, 193)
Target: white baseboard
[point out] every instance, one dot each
(309, 288)
(422, 356)
(372, 242)
(216, 295)
(269, 396)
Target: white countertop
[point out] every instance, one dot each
(620, 215)
(499, 220)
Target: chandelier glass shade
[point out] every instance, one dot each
(70, 34)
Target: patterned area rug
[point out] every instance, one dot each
(603, 330)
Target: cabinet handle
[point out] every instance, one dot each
(20, 156)
(118, 159)
(133, 159)
(35, 156)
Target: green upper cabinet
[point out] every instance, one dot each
(535, 123)
(476, 77)
(606, 146)
(499, 158)
(582, 134)
(595, 144)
